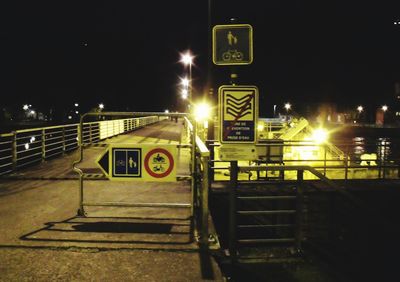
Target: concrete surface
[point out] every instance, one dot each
(42, 239)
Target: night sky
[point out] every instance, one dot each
(126, 53)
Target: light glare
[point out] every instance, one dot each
(320, 135)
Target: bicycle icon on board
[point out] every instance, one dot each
(232, 55)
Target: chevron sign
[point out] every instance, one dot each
(238, 113)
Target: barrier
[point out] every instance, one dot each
(198, 173)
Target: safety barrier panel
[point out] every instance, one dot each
(199, 167)
(24, 147)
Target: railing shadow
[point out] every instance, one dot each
(120, 231)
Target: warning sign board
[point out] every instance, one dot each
(148, 162)
(159, 163)
(233, 44)
(238, 113)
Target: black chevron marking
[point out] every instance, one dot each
(243, 107)
(238, 114)
(235, 105)
(248, 96)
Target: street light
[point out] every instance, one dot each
(287, 107)
(185, 82)
(101, 106)
(187, 60)
(184, 94)
(384, 108)
(360, 109)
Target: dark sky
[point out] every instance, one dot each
(125, 53)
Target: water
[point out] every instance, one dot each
(357, 141)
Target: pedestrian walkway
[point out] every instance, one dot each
(42, 238)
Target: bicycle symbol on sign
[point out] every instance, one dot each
(232, 55)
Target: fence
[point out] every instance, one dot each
(22, 148)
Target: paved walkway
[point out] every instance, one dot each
(42, 239)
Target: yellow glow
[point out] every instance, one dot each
(320, 135)
(202, 111)
(260, 127)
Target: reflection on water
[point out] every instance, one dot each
(382, 147)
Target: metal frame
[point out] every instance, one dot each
(384, 168)
(198, 168)
(233, 205)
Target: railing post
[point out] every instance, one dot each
(90, 134)
(204, 202)
(210, 147)
(346, 164)
(14, 150)
(193, 163)
(325, 159)
(63, 140)
(43, 145)
(232, 210)
(299, 209)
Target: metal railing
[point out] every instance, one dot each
(299, 211)
(382, 163)
(25, 147)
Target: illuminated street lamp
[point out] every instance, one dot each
(287, 107)
(101, 106)
(25, 107)
(185, 82)
(384, 108)
(184, 93)
(360, 109)
(187, 60)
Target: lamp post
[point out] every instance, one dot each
(360, 109)
(187, 60)
(287, 107)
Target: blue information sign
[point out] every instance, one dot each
(127, 162)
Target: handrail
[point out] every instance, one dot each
(34, 145)
(338, 188)
(204, 152)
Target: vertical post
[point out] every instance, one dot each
(15, 149)
(299, 209)
(232, 210)
(325, 159)
(43, 144)
(346, 160)
(63, 140)
(193, 164)
(90, 134)
(81, 211)
(204, 203)
(384, 160)
(210, 146)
